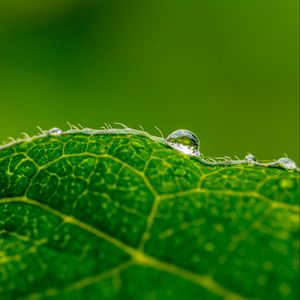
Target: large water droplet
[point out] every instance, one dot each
(286, 163)
(250, 159)
(185, 141)
(54, 131)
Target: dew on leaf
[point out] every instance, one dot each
(184, 141)
(286, 163)
(54, 131)
(250, 159)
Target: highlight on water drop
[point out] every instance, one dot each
(250, 159)
(286, 163)
(54, 131)
(184, 141)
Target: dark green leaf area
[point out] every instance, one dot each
(121, 215)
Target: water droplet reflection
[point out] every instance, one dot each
(184, 141)
(286, 163)
(250, 159)
(54, 131)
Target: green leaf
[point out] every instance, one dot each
(118, 214)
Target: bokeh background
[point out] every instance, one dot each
(227, 70)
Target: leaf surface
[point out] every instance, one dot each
(120, 215)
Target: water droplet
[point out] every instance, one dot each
(250, 159)
(184, 141)
(286, 163)
(54, 131)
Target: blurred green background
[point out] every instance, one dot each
(227, 70)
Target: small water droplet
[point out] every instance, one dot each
(250, 159)
(54, 131)
(286, 163)
(184, 141)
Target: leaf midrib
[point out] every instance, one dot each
(138, 256)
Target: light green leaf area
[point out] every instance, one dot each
(118, 214)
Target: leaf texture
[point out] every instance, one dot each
(118, 214)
